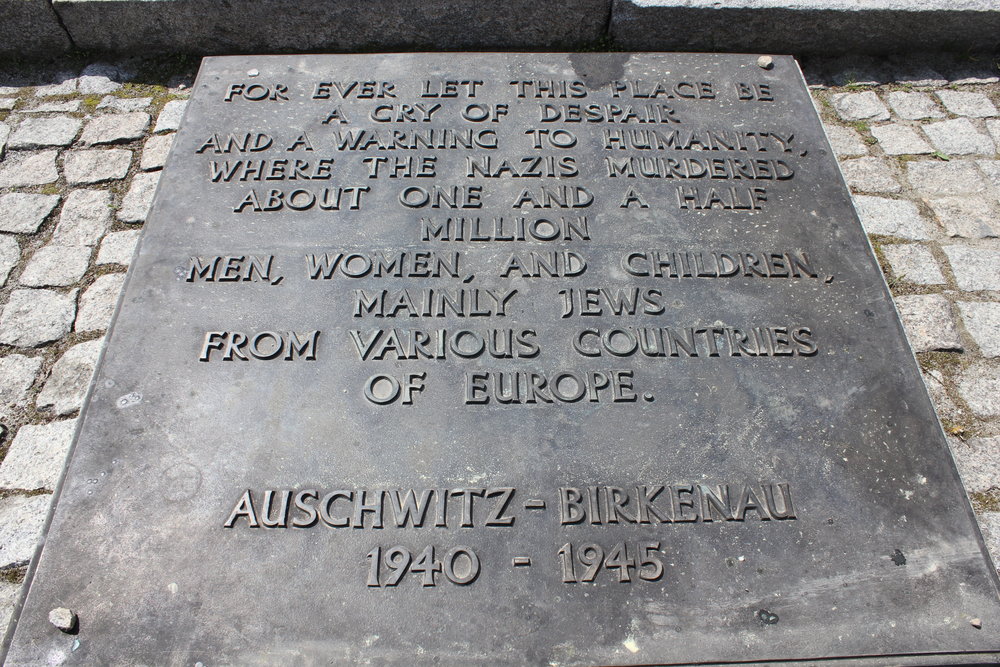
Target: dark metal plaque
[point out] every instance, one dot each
(507, 359)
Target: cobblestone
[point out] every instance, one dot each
(893, 217)
(978, 461)
(124, 104)
(21, 521)
(4, 136)
(170, 118)
(974, 268)
(846, 142)
(896, 139)
(135, 206)
(154, 154)
(56, 266)
(115, 128)
(957, 177)
(928, 321)
(859, 106)
(993, 127)
(45, 132)
(99, 79)
(992, 170)
(70, 106)
(870, 174)
(914, 106)
(958, 137)
(17, 374)
(85, 218)
(97, 304)
(960, 103)
(979, 386)
(35, 316)
(914, 263)
(97, 166)
(66, 387)
(24, 213)
(982, 321)
(966, 216)
(10, 255)
(19, 169)
(36, 456)
(118, 247)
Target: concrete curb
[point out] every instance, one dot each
(206, 27)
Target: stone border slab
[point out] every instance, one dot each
(806, 26)
(214, 27)
(31, 27)
(289, 26)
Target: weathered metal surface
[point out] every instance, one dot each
(720, 449)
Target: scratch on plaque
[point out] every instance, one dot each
(371, 639)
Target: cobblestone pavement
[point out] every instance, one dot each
(82, 146)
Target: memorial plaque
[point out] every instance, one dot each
(558, 359)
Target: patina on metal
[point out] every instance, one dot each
(557, 359)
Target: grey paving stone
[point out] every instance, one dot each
(979, 386)
(35, 316)
(978, 462)
(118, 247)
(63, 83)
(958, 137)
(989, 523)
(44, 132)
(859, 106)
(870, 174)
(7, 103)
(982, 321)
(4, 136)
(24, 213)
(914, 106)
(124, 104)
(893, 217)
(96, 166)
(154, 154)
(85, 218)
(115, 128)
(67, 384)
(36, 456)
(967, 216)
(10, 255)
(17, 374)
(928, 322)
(897, 139)
(956, 177)
(56, 266)
(136, 203)
(845, 141)
(21, 522)
(97, 304)
(170, 117)
(68, 106)
(963, 103)
(100, 78)
(913, 263)
(993, 127)
(9, 594)
(28, 168)
(992, 170)
(946, 408)
(975, 269)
